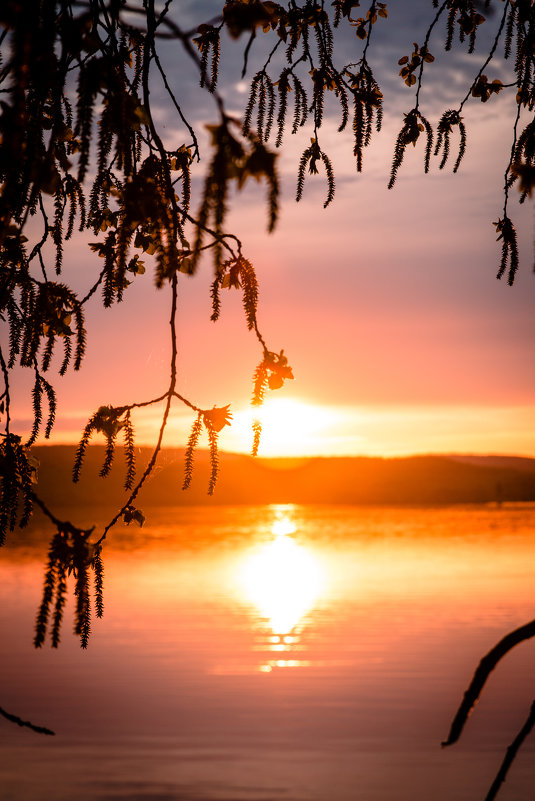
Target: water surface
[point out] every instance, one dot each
(295, 653)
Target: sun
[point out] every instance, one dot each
(290, 427)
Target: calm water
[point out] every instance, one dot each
(292, 653)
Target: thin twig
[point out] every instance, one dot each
(169, 395)
(489, 57)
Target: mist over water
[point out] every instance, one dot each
(292, 652)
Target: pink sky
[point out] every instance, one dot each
(386, 304)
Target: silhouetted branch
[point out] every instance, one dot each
(26, 723)
(484, 669)
(510, 755)
(165, 416)
(489, 57)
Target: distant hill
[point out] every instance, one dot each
(415, 480)
(515, 462)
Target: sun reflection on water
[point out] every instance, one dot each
(284, 580)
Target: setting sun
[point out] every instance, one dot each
(289, 427)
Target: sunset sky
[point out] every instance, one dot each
(387, 305)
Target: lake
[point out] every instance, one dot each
(300, 653)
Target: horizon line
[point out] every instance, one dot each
(308, 456)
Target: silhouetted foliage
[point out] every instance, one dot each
(445, 127)
(81, 150)
(71, 553)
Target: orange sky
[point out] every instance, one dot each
(386, 304)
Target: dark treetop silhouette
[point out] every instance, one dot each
(80, 147)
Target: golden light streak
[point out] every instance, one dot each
(284, 580)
